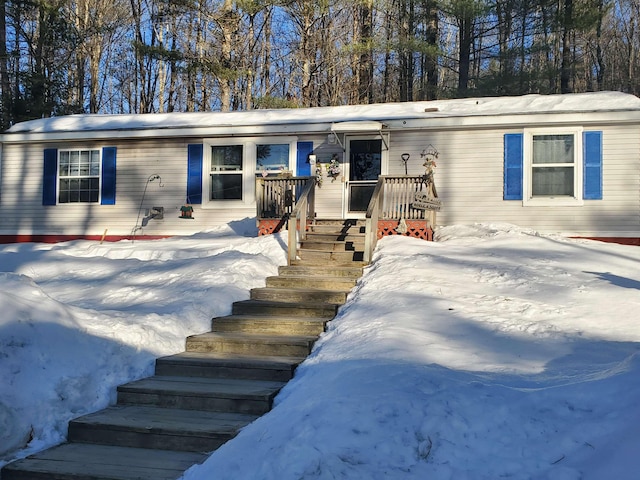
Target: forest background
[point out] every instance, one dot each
(141, 56)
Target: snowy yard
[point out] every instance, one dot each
(492, 353)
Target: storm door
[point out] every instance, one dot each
(363, 166)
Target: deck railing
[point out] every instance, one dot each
(276, 196)
(394, 198)
(303, 211)
(290, 201)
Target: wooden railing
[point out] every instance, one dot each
(303, 211)
(276, 197)
(291, 200)
(393, 199)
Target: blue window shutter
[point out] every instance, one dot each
(108, 186)
(50, 177)
(194, 173)
(592, 145)
(513, 166)
(303, 167)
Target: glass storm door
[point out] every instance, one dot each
(363, 167)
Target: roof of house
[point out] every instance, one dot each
(264, 121)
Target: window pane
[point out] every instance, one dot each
(85, 195)
(226, 158)
(272, 157)
(84, 169)
(550, 181)
(553, 149)
(64, 191)
(365, 159)
(226, 187)
(95, 163)
(63, 166)
(360, 196)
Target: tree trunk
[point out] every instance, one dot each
(431, 37)
(5, 85)
(565, 68)
(365, 63)
(465, 37)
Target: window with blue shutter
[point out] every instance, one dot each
(592, 175)
(513, 166)
(77, 176)
(194, 173)
(303, 167)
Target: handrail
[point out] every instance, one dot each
(371, 222)
(303, 209)
(394, 199)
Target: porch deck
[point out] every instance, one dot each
(399, 205)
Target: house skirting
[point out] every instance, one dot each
(415, 228)
(620, 240)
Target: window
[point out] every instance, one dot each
(222, 172)
(553, 163)
(73, 176)
(226, 172)
(553, 167)
(79, 176)
(272, 157)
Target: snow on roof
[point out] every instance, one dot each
(568, 103)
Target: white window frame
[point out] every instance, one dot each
(249, 164)
(578, 167)
(60, 177)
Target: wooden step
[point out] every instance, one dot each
(337, 228)
(158, 428)
(206, 394)
(340, 284)
(266, 307)
(332, 245)
(269, 325)
(357, 238)
(298, 295)
(220, 365)
(78, 461)
(351, 272)
(246, 344)
(349, 222)
(320, 257)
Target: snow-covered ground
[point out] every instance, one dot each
(492, 353)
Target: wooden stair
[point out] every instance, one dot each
(199, 399)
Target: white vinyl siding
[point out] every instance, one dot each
(468, 177)
(469, 181)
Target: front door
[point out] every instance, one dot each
(363, 167)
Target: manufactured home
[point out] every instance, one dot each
(565, 164)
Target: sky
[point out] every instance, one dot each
(493, 352)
